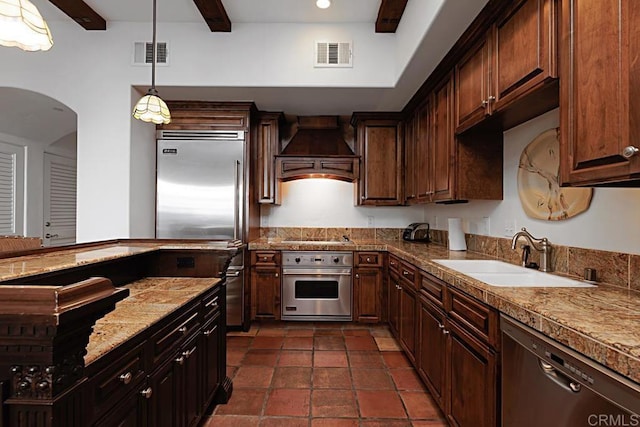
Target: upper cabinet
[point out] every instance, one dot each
(600, 93)
(268, 146)
(443, 151)
(379, 144)
(513, 58)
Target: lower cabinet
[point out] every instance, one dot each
(408, 311)
(265, 285)
(403, 306)
(367, 287)
(394, 304)
(432, 349)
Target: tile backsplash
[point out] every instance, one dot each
(613, 268)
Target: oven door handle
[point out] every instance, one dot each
(316, 272)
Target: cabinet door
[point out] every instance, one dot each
(432, 349)
(394, 304)
(265, 293)
(599, 92)
(268, 146)
(443, 143)
(211, 362)
(423, 160)
(380, 148)
(410, 150)
(472, 87)
(524, 41)
(471, 370)
(408, 311)
(165, 403)
(367, 291)
(190, 392)
(130, 412)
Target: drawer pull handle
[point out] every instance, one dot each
(264, 258)
(440, 325)
(147, 392)
(187, 354)
(444, 331)
(126, 378)
(368, 259)
(405, 273)
(392, 263)
(213, 302)
(183, 330)
(180, 360)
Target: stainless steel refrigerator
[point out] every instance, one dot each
(199, 195)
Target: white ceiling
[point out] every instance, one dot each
(238, 10)
(23, 115)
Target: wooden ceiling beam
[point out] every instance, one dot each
(214, 15)
(389, 15)
(80, 12)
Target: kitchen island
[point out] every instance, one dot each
(92, 336)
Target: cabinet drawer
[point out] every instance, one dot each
(117, 380)
(432, 288)
(408, 274)
(265, 258)
(174, 334)
(394, 264)
(211, 304)
(475, 316)
(369, 259)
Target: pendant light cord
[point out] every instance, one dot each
(153, 49)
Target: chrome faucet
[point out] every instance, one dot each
(541, 245)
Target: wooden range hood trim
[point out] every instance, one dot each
(341, 168)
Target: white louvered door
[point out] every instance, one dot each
(11, 189)
(59, 200)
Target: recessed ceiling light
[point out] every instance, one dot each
(323, 4)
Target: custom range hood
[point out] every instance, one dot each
(317, 147)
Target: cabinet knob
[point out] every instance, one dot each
(277, 275)
(125, 378)
(180, 360)
(485, 102)
(183, 330)
(147, 392)
(264, 258)
(357, 276)
(361, 197)
(368, 259)
(405, 273)
(492, 98)
(444, 331)
(187, 354)
(630, 151)
(440, 325)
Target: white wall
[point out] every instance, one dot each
(611, 222)
(329, 203)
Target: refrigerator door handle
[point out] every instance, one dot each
(236, 200)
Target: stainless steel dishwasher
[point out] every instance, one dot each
(545, 383)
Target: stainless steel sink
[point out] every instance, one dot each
(503, 274)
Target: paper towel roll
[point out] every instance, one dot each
(456, 235)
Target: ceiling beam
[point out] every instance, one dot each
(214, 15)
(80, 12)
(389, 15)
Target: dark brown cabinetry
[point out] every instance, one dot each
(379, 143)
(515, 57)
(265, 285)
(432, 350)
(418, 161)
(403, 304)
(599, 93)
(443, 145)
(367, 287)
(268, 146)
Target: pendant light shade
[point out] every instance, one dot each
(21, 25)
(151, 108)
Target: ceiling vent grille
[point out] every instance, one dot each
(333, 54)
(142, 53)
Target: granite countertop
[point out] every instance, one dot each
(149, 300)
(602, 323)
(29, 265)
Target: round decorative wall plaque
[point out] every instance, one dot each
(539, 185)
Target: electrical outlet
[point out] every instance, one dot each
(486, 221)
(510, 227)
(371, 221)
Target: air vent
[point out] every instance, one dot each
(333, 54)
(142, 54)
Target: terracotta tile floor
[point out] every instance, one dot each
(322, 375)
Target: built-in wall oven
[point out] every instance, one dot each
(317, 285)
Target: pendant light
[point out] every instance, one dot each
(151, 108)
(21, 25)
